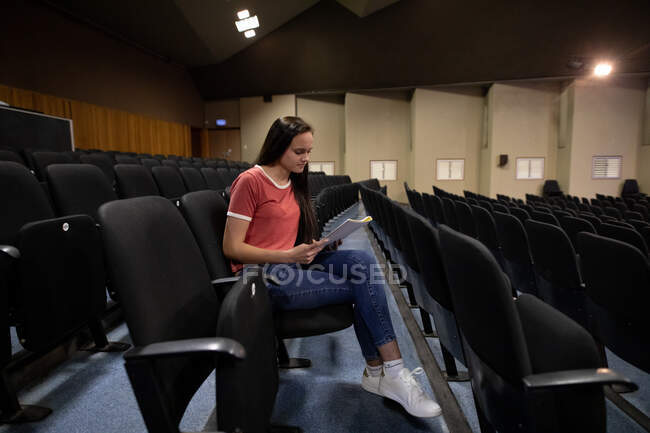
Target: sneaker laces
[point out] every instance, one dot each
(414, 384)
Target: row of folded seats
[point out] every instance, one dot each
(594, 271)
(57, 262)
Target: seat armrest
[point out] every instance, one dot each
(170, 349)
(576, 378)
(219, 283)
(11, 251)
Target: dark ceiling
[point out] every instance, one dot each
(308, 46)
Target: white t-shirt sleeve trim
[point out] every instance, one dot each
(240, 216)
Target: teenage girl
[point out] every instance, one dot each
(271, 220)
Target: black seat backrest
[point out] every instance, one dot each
(426, 242)
(23, 201)
(78, 188)
(149, 163)
(553, 255)
(572, 226)
(630, 187)
(134, 181)
(158, 271)
(486, 205)
(247, 388)
(103, 161)
(170, 163)
(544, 217)
(9, 155)
(520, 213)
(449, 210)
(126, 159)
(212, 179)
(466, 223)
(169, 181)
(480, 293)
(435, 206)
(609, 263)
(612, 212)
(512, 238)
(43, 159)
(498, 207)
(402, 231)
(486, 228)
(624, 234)
(205, 213)
(193, 179)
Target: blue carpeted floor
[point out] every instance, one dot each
(91, 393)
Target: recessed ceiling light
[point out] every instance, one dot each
(602, 69)
(243, 14)
(249, 33)
(247, 24)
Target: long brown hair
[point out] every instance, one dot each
(276, 143)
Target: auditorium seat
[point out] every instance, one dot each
(436, 298)
(532, 368)
(176, 323)
(126, 159)
(170, 163)
(44, 159)
(572, 226)
(498, 207)
(149, 163)
(520, 213)
(205, 213)
(517, 260)
(78, 189)
(134, 181)
(594, 220)
(9, 155)
(618, 278)
(52, 269)
(212, 179)
(612, 212)
(169, 181)
(545, 217)
(408, 260)
(624, 234)
(103, 161)
(186, 164)
(449, 211)
(487, 232)
(433, 204)
(556, 270)
(466, 223)
(193, 179)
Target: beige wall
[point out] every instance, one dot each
(256, 117)
(227, 109)
(44, 51)
(446, 124)
(607, 120)
(565, 132)
(523, 123)
(644, 153)
(377, 127)
(326, 114)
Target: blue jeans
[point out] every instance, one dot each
(338, 277)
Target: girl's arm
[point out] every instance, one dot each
(235, 248)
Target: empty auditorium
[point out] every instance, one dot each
(324, 216)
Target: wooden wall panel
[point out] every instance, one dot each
(97, 127)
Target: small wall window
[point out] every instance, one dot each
(383, 170)
(450, 169)
(325, 166)
(606, 167)
(530, 168)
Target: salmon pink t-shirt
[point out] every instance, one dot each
(271, 208)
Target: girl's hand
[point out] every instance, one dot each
(305, 253)
(334, 246)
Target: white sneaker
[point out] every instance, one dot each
(405, 390)
(371, 383)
